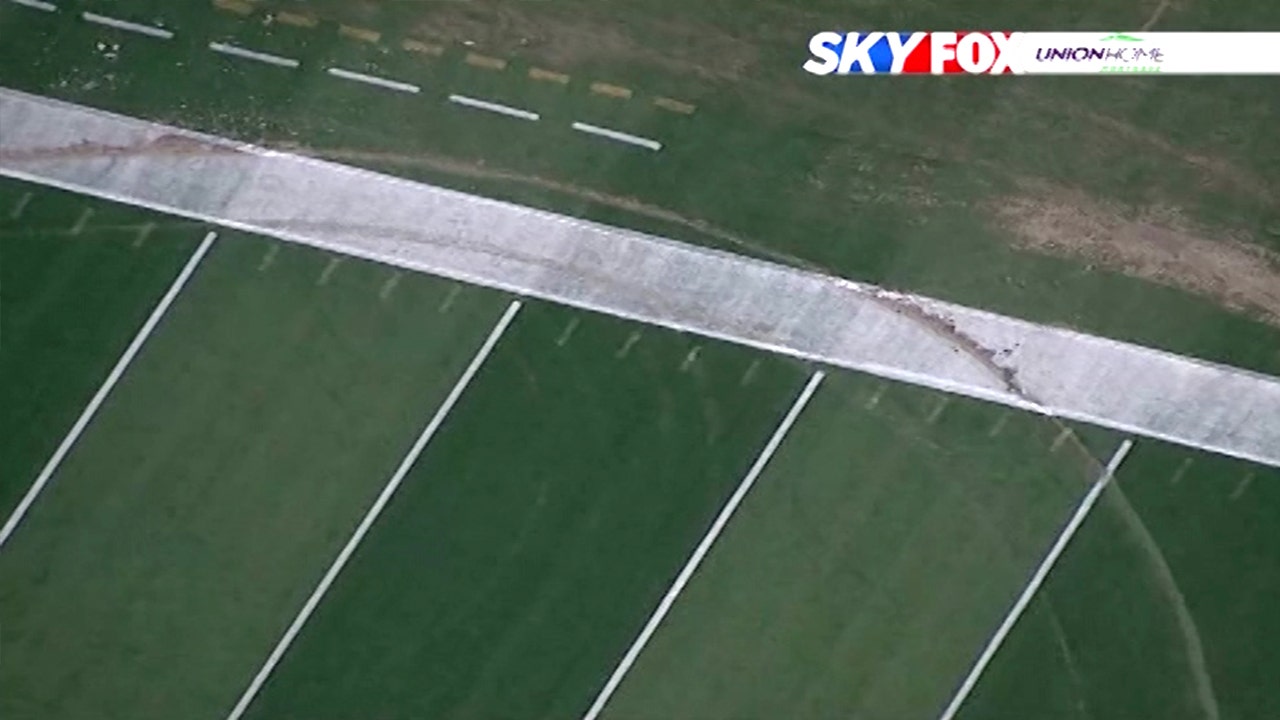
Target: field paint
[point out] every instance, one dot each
(389, 286)
(16, 211)
(82, 221)
(1241, 487)
(269, 257)
(493, 107)
(874, 400)
(126, 25)
(704, 547)
(750, 374)
(328, 271)
(999, 426)
(619, 136)
(567, 333)
(1041, 573)
(112, 378)
(1180, 472)
(1062, 437)
(373, 80)
(629, 343)
(690, 358)
(240, 52)
(144, 232)
(376, 509)
(37, 4)
(937, 410)
(450, 298)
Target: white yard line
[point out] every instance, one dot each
(372, 515)
(37, 4)
(92, 408)
(616, 135)
(493, 107)
(1037, 579)
(703, 548)
(129, 26)
(240, 52)
(373, 80)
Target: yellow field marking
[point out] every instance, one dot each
(297, 19)
(424, 48)
(548, 76)
(486, 62)
(667, 103)
(617, 91)
(359, 33)
(238, 7)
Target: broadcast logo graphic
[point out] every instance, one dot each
(1041, 53)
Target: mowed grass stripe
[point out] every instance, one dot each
(539, 529)
(873, 556)
(700, 552)
(220, 479)
(370, 517)
(70, 307)
(11, 524)
(1162, 607)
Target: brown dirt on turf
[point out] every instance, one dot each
(1157, 244)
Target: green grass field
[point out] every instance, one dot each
(534, 537)
(69, 305)
(1163, 607)
(876, 553)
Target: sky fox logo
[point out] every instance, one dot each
(908, 53)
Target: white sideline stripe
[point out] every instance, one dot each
(240, 52)
(376, 509)
(92, 408)
(371, 80)
(493, 107)
(126, 25)
(703, 547)
(615, 135)
(1041, 573)
(37, 4)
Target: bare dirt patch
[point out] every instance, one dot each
(1156, 244)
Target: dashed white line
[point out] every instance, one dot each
(118, 24)
(82, 221)
(703, 548)
(329, 270)
(19, 207)
(690, 359)
(999, 425)
(567, 333)
(493, 107)
(629, 343)
(1037, 579)
(374, 80)
(1061, 438)
(240, 52)
(936, 413)
(37, 4)
(1241, 487)
(1180, 472)
(269, 257)
(450, 298)
(144, 232)
(619, 136)
(112, 378)
(372, 515)
(874, 400)
(389, 286)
